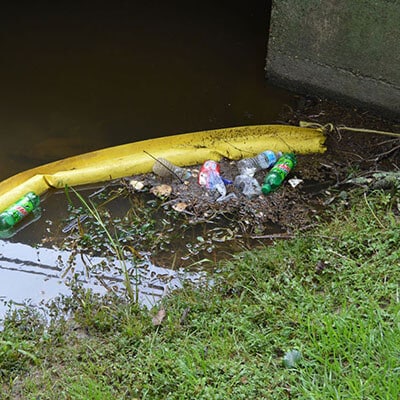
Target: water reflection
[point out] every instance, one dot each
(82, 77)
(36, 276)
(79, 76)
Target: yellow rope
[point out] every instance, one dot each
(330, 127)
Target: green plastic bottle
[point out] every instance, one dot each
(19, 210)
(278, 173)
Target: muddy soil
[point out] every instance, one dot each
(324, 176)
(186, 224)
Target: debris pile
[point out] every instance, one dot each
(231, 190)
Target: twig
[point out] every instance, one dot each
(385, 153)
(339, 255)
(184, 315)
(372, 212)
(387, 142)
(271, 236)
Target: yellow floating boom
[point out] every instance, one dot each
(182, 150)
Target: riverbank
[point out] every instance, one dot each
(330, 293)
(314, 316)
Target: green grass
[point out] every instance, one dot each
(331, 293)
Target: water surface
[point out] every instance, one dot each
(79, 76)
(82, 76)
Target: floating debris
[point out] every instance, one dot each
(74, 223)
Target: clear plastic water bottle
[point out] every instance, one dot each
(248, 185)
(165, 168)
(278, 173)
(18, 211)
(264, 160)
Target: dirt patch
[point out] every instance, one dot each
(286, 208)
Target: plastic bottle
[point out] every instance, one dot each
(15, 213)
(264, 160)
(209, 176)
(165, 168)
(278, 173)
(248, 185)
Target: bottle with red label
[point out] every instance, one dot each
(278, 173)
(15, 213)
(209, 176)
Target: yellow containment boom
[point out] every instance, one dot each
(182, 150)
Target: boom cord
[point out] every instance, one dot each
(331, 128)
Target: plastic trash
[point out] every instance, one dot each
(292, 358)
(11, 216)
(209, 177)
(264, 160)
(165, 168)
(74, 223)
(278, 173)
(227, 198)
(248, 185)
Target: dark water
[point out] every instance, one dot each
(78, 76)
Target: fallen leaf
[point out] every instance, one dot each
(161, 191)
(179, 206)
(159, 317)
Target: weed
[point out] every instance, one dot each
(113, 242)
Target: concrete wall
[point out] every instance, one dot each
(341, 48)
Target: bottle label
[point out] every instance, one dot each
(15, 213)
(284, 167)
(210, 177)
(271, 157)
(208, 173)
(19, 211)
(22, 211)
